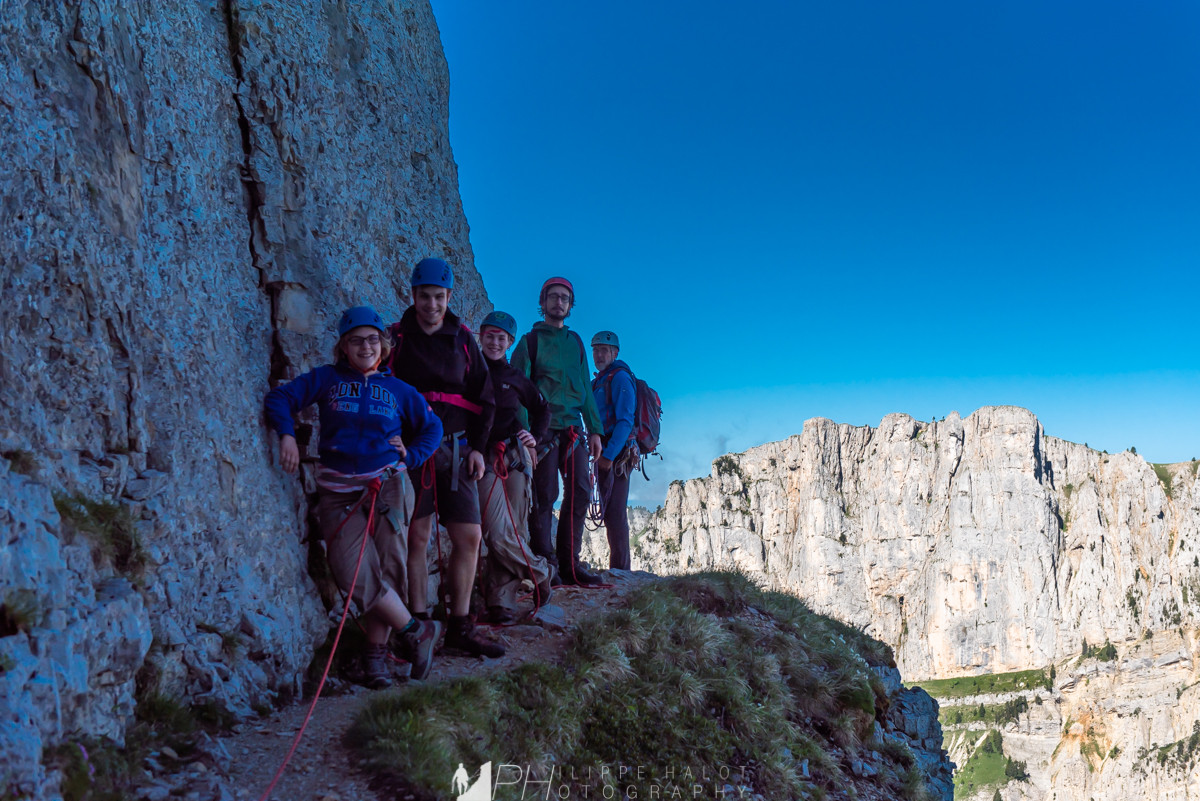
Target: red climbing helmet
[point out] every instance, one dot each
(557, 280)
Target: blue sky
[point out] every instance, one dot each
(790, 210)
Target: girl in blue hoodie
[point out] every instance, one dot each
(372, 424)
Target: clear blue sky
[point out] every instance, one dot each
(789, 210)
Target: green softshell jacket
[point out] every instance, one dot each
(562, 375)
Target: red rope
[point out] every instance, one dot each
(499, 462)
(570, 465)
(371, 492)
(574, 438)
(499, 465)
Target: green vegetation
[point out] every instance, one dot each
(998, 714)
(987, 766)
(19, 612)
(1102, 653)
(1171, 613)
(983, 768)
(1132, 597)
(1068, 489)
(108, 525)
(1164, 477)
(1090, 747)
(705, 671)
(1179, 755)
(20, 461)
(986, 684)
(232, 641)
(726, 466)
(96, 769)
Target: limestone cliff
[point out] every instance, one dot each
(192, 193)
(981, 546)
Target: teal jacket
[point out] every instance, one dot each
(563, 376)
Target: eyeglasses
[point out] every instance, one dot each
(355, 342)
(558, 296)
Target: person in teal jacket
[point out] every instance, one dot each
(554, 357)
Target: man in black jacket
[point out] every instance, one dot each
(438, 356)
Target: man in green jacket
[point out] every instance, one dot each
(553, 356)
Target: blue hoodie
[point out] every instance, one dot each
(616, 383)
(359, 414)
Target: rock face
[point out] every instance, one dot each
(979, 546)
(192, 194)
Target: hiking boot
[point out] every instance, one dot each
(461, 635)
(501, 615)
(582, 576)
(544, 591)
(376, 673)
(555, 578)
(417, 647)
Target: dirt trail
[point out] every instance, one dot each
(322, 768)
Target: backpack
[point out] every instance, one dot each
(647, 413)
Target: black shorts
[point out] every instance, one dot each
(432, 480)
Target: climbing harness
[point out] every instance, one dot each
(567, 464)
(500, 468)
(371, 493)
(453, 400)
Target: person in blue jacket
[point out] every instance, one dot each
(616, 399)
(371, 425)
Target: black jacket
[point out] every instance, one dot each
(450, 362)
(514, 391)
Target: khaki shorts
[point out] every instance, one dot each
(384, 560)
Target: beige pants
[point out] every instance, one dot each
(506, 533)
(384, 561)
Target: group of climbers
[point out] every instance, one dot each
(418, 418)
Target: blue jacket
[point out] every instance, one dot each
(359, 414)
(615, 382)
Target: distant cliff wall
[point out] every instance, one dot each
(192, 192)
(978, 546)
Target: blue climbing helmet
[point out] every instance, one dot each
(359, 315)
(606, 338)
(432, 272)
(502, 320)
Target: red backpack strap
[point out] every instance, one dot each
(582, 350)
(531, 347)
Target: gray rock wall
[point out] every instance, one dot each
(192, 192)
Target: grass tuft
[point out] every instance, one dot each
(108, 525)
(19, 612)
(986, 684)
(98, 769)
(706, 671)
(21, 461)
(1164, 477)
